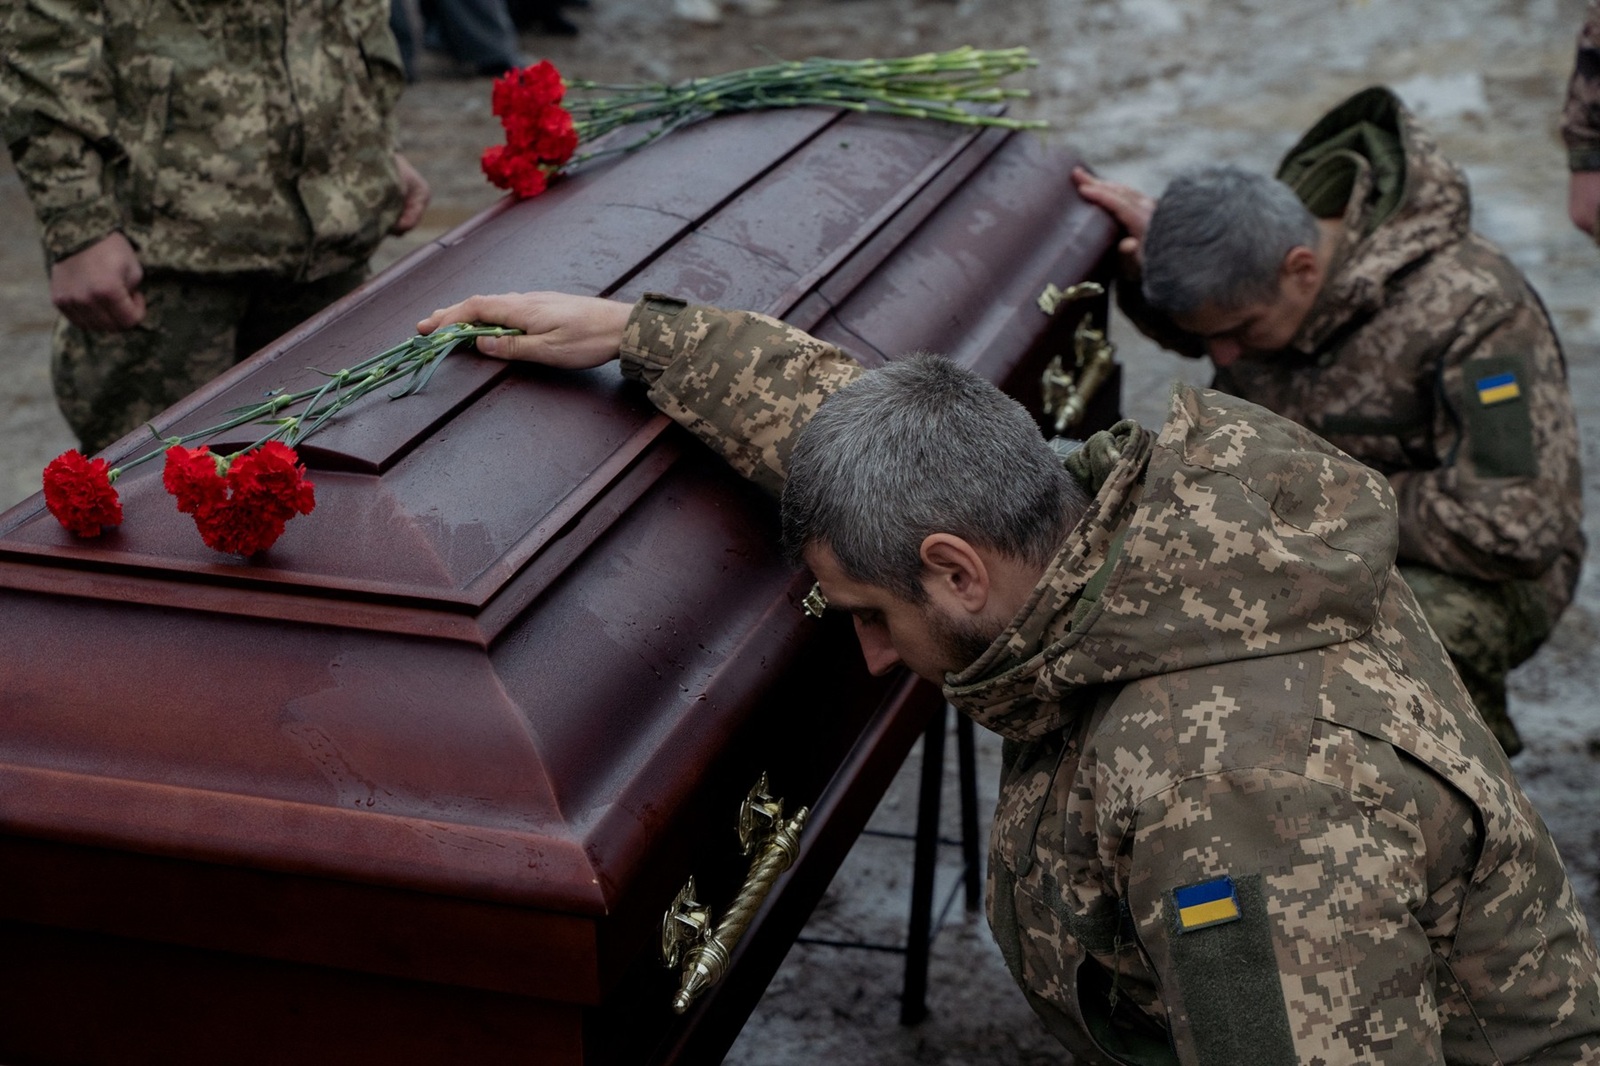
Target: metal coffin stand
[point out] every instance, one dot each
(419, 783)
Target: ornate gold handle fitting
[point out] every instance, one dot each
(1052, 297)
(685, 923)
(759, 817)
(814, 603)
(1066, 393)
(776, 841)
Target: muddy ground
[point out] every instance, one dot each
(1142, 88)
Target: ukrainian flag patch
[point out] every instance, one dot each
(1498, 388)
(1208, 903)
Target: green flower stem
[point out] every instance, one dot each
(414, 360)
(923, 86)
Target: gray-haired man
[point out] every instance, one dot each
(1351, 295)
(1247, 815)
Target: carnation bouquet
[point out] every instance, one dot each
(544, 129)
(242, 500)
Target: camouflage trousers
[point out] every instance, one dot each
(1488, 627)
(195, 327)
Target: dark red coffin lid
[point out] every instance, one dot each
(481, 666)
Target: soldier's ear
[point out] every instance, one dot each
(954, 573)
(1301, 273)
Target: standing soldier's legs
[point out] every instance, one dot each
(1488, 628)
(274, 306)
(109, 384)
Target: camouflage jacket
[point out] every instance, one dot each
(1248, 813)
(1580, 119)
(1428, 357)
(253, 135)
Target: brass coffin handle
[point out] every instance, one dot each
(1053, 297)
(774, 841)
(1066, 392)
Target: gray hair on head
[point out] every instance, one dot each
(917, 447)
(1218, 239)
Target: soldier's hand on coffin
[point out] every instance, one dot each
(558, 329)
(1130, 207)
(97, 289)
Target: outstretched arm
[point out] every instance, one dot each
(744, 383)
(559, 329)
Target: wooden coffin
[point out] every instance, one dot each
(418, 784)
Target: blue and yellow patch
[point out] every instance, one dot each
(1498, 388)
(1208, 903)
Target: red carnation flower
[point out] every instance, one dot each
(546, 132)
(237, 530)
(556, 138)
(528, 87)
(518, 171)
(191, 475)
(522, 130)
(541, 136)
(270, 482)
(78, 492)
(245, 511)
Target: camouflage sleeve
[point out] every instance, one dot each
(742, 382)
(1580, 119)
(1504, 496)
(1277, 912)
(386, 68)
(57, 112)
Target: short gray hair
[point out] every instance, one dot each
(1218, 239)
(917, 447)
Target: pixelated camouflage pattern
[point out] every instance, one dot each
(1488, 628)
(1251, 690)
(1580, 119)
(1255, 692)
(254, 135)
(754, 392)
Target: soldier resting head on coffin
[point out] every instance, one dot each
(1248, 814)
(1352, 296)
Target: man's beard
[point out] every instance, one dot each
(961, 641)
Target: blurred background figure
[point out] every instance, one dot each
(544, 16)
(1580, 127)
(709, 12)
(479, 35)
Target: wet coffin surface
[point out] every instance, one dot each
(447, 751)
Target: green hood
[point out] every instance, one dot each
(1363, 133)
(1369, 163)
